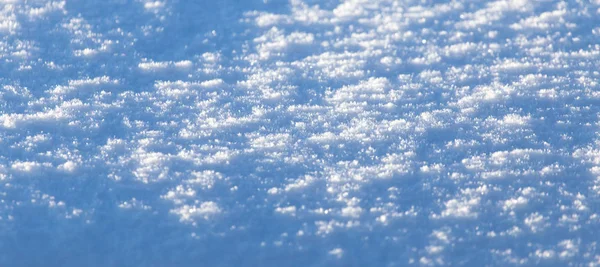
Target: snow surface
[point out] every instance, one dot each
(299, 133)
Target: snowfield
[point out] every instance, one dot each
(299, 133)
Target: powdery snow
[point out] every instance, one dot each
(299, 133)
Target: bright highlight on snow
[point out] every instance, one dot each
(299, 133)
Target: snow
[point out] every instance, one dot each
(299, 133)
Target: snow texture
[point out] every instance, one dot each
(299, 133)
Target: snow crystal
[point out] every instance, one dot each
(188, 213)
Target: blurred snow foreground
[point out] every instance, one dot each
(299, 133)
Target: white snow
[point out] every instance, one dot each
(299, 132)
